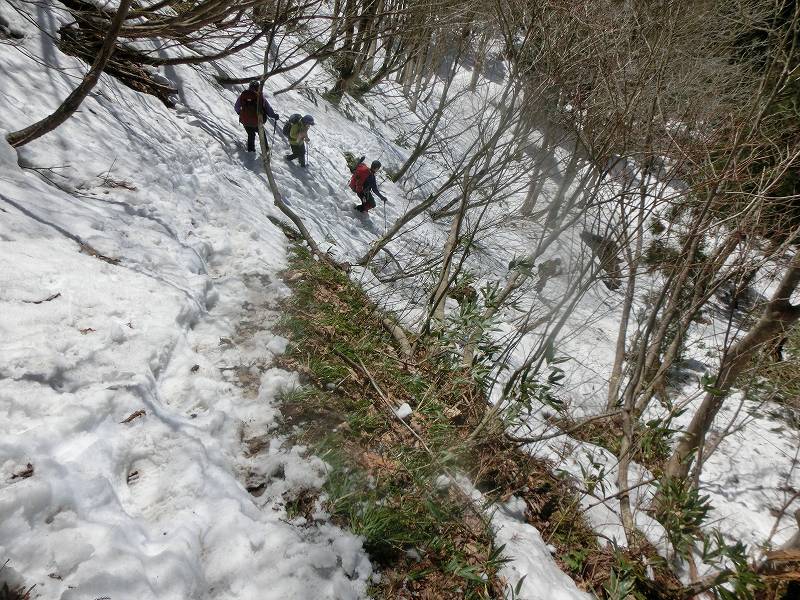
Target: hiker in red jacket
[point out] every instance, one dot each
(364, 184)
(247, 108)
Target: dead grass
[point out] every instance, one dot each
(427, 541)
(13, 591)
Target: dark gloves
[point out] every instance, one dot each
(277, 116)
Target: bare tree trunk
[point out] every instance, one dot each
(429, 129)
(73, 101)
(346, 54)
(629, 415)
(779, 315)
(400, 75)
(336, 18)
(409, 71)
(480, 57)
(627, 303)
(419, 74)
(440, 294)
(367, 37)
(369, 59)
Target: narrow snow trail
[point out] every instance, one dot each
(129, 260)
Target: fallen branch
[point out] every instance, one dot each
(360, 367)
(399, 335)
(575, 427)
(73, 101)
(134, 415)
(48, 299)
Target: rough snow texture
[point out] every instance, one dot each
(122, 503)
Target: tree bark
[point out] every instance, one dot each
(779, 315)
(480, 57)
(627, 305)
(440, 294)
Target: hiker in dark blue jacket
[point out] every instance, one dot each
(368, 187)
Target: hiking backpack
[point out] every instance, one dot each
(359, 178)
(287, 127)
(248, 116)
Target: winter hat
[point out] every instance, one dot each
(308, 120)
(253, 86)
(376, 164)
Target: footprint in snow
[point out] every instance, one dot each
(162, 483)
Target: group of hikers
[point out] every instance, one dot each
(296, 128)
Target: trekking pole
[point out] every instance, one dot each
(384, 217)
(305, 147)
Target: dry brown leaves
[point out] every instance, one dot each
(134, 415)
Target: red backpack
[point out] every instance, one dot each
(359, 178)
(249, 113)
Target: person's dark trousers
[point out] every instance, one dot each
(251, 138)
(367, 201)
(298, 152)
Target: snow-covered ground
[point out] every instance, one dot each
(131, 250)
(134, 244)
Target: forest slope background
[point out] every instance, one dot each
(591, 217)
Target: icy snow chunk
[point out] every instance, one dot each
(414, 554)
(404, 411)
(278, 345)
(275, 381)
(350, 552)
(116, 333)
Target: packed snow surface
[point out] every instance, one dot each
(130, 258)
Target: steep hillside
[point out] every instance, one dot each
(143, 449)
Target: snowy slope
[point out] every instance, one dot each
(155, 507)
(139, 285)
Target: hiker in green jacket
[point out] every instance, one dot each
(298, 136)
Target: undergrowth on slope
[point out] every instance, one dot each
(651, 439)
(425, 535)
(392, 481)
